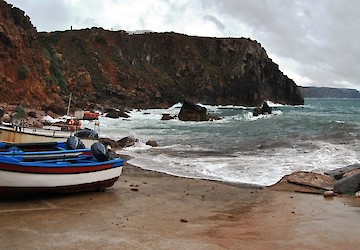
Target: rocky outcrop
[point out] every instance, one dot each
(345, 180)
(117, 69)
(305, 182)
(192, 112)
(264, 110)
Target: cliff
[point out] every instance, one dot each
(116, 69)
(160, 69)
(326, 92)
(23, 68)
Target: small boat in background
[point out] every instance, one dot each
(87, 170)
(88, 115)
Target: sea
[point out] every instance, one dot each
(321, 135)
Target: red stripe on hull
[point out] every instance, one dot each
(10, 192)
(54, 170)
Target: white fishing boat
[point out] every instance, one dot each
(89, 169)
(28, 134)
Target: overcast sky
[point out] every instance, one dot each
(316, 43)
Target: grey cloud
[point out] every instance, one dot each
(322, 36)
(46, 15)
(220, 26)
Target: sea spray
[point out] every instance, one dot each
(321, 135)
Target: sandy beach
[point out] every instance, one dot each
(150, 210)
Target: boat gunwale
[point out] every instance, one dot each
(8, 163)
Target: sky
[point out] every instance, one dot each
(314, 42)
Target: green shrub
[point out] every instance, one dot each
(23, 71)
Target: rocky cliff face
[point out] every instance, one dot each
(160, 69)
(116, 69)
(23, 68)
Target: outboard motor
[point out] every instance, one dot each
(87, 133)
(99, 151)
(74, 142)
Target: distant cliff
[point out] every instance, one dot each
(326, 92)
(107, 68)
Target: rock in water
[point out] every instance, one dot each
(192, 112)
(152, 143)
(264, 110)
(127, 141)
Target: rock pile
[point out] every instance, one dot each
(344, 180)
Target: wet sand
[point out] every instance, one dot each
(150, 210)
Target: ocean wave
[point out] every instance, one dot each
(241, 147)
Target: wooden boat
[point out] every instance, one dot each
(25, 135)
(72, 142)
(58, 152)
(73, 146)
(21, 174)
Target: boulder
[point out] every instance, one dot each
(304, 182)
(152, 143)
(214, 117)
(351, 173)
(264, 110)
(117, 114)
(339, 172)
(109, 142)
(348, 185)
(166, 117)
(328, 193)
(127, 141)
(192, 112)
(310, 179)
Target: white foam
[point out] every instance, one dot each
(263, 168)
(178, 154)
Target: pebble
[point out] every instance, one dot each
(357, 194)
(328, 193)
